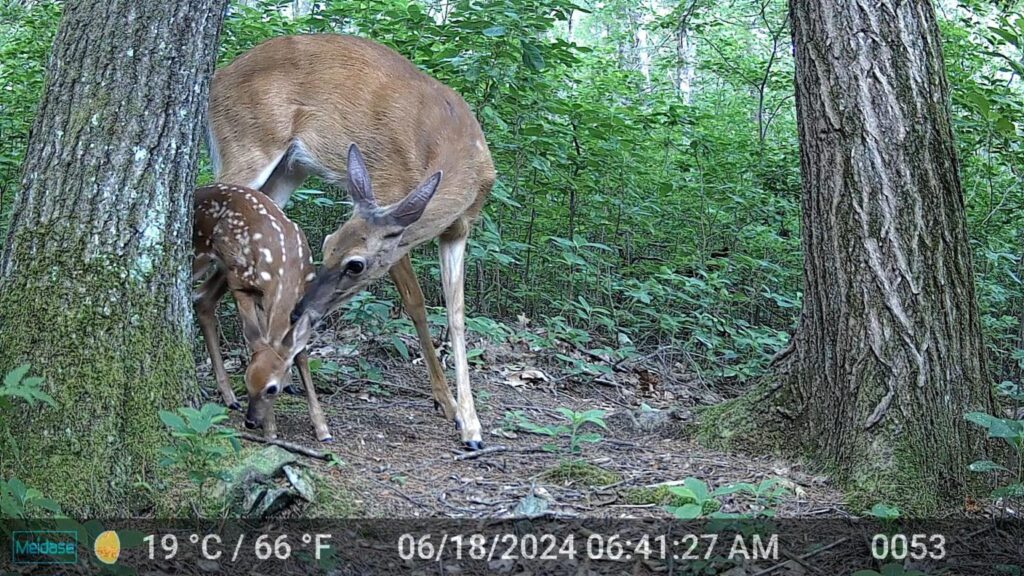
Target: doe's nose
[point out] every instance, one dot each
(251, 425)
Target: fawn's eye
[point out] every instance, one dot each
(271, 390)
(393, 235)
(355, 266)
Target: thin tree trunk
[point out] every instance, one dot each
(888, 354)
(95, 278)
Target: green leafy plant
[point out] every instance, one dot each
(884, 512)
(17, 384)
(20, 501)
(1012, 432)
(703, 502)
(200, 443)
(16, 499)
(572, 429)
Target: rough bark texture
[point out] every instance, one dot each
(888, 356)
(94, 279)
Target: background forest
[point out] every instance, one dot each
(648, 188)
(648, 193)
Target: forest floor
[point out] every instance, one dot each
(402, 459)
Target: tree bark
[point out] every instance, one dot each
(95, 276)
(888, 353)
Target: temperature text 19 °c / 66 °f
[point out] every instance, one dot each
(262, 547)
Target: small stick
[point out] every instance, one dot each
(479, 453)
(803, 557)
(289, 446)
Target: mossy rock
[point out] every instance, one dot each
(659, 495)
(580, 472)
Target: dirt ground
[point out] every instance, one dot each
(402, 459)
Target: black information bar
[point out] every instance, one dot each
(514, 546)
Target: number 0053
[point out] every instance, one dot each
(913, 546)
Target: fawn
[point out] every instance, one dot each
(251, 248)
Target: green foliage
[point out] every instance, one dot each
(884, 512)
(697, 500)
(575, 421)
(200, 442)
(1012, 432)
(16, 499)
(17, 385)
(20, 501)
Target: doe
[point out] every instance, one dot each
(291, 106)
(256, 252)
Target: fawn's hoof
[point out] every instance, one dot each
(235, 406)
(292, 389)
(328, 440)
(458, 424)
(473, 445)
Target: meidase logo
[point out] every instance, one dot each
(44, 547)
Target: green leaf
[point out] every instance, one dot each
(13, 378)
(399, 345)
(687, 511)
(1015, 490)
(884, 511)
(986, 466)
(532, 56)
(172, 420)
(494, 31)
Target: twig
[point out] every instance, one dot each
(803, 557)
(478, 453)
(289, 446)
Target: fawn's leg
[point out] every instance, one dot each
(404, 277)
(206, 299)
(316, 413)
(453, 252)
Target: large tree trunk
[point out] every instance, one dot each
(888, 355)
(94, 279)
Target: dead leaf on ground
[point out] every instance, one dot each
(526, 378)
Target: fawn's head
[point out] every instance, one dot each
(364, 247)
(267, 374)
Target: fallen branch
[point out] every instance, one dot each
(478, 453)
(289, 446)
(803, 557)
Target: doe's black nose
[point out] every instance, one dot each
(250, 424)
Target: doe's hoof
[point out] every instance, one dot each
(473, 445)
(235, 406)
(292, 389)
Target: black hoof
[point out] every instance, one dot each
(327, 440)
(235, 406)
(458, 424)
(473, 445)
(292, 389)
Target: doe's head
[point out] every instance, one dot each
(268, 371)
(364, 247)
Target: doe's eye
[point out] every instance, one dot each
(355, 266)
(271, 390)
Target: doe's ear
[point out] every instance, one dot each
(412, 206)
(359, 181)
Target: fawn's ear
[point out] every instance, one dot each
(412, 206)
(359, 182)
(298, 336)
